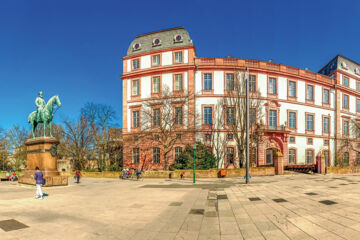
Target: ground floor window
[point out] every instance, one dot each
(309, 157)
(292, 156)
(178, 151)
(346, 158)
(269, 157)
(230, 155)
(135, 155)
(156, 155)
(326, 155)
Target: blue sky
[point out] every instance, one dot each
(75, 48)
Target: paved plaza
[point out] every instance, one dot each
(297, 206)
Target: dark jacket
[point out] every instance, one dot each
(38, 177)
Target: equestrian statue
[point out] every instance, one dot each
(44, 113)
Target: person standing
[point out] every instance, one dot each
(77, 175)
(39, 181)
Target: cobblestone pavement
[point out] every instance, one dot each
(278, 207)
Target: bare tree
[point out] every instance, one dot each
(16, 137)
(79, 140)
(164, 117)
(219, 139)
(235, 102)
(100, 117)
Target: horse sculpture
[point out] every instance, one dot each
(46, 116)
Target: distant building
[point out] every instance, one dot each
(306, 114)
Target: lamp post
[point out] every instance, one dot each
(194, 148)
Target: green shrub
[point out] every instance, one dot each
(204, 159)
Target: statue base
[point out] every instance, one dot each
(41, 152)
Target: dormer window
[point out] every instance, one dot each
(136, 46)
(356, 70)
(156, 42)
(178, 38)
(343, 64)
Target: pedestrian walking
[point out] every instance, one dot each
(39, 181)
(77, 175)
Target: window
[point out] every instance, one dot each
(326, 96)
(358, 85)
(230, 155)
(252, 116)
(326, 142)
(292, 89)
(326, 155)
(136, 64)
(178, 82)
(292, 156)
(272, 86)
(310, 93)
(135, 155)
(156, 84)
(229, 116)
(230, 136)
(358, 158)
(156, 137)
(229, 81)
(358, 105)
(156, 117)
(309, 141)
(346, 158)
(346, 128)
(178, 136)
(207, 81)
(178, 57)
(252, 83)
(156, 60)
(345, 101)
(292, 120)
(309, 122)
(156, 155)
(346, 81)
(273, 118)
(326, 125)
(178, 152)
(292, 139)
(207, 137)
(309, 157)
(208, 115)
(178, 115)
(136, 137)
(136, 119)
(135, 87)
(156, 42)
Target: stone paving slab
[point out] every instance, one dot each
(161, 209)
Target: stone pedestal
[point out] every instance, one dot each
(320, 164)
(42, 153)
(279, 163)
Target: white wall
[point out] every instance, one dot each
(262, 84)
(166, 58)
(145, 87)
(167, 81)
(218, 82)
(318, 95)
(145, 62)
(301, 91)
(282, 88)
(198, 85)
(128, 65)
(186, 56)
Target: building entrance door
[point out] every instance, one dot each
(269, 156)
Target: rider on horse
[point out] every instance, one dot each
(40, 103)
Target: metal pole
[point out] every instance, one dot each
(194, 163)
(247, 125)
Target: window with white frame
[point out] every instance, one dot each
(346, 81)
(136, 119)
(346, 128)
(156, 84)
(178, 57)
(135, 155)
(309, 122)
(292, 120)
(345, 101)
(156, 60)
(135, 88)
(326, 125)
(358, 105)
(310, 93)
(252, 83)
(230, 155)
(292, 89)
(273, 118)
(207, 81)
(208, 115)
(358, 85)
(292, 156)
(178, 82)
(272, 86)
(178, 115)
(326, 96)
(309, 157)
(156, 155)
(136, 64)
(229, 116)
(229, 81)
(156, 117)
(252, 116)
(346, 158)
(178, 152)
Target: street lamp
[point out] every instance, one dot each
(194, 148)
(247, 124)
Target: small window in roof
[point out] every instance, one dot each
(136, 46)
(356, 70)
(343, 64)
(156, 42)
(178, 38)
